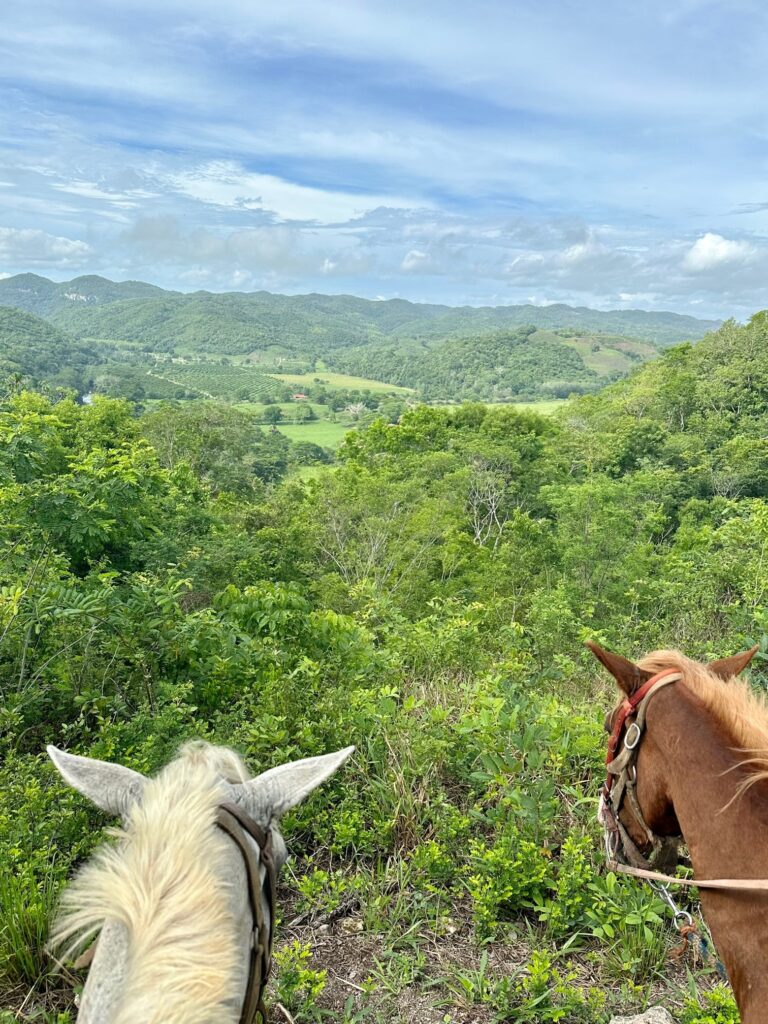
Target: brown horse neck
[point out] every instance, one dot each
(726, 837)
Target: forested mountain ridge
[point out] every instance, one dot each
(492, 367)
(152, 315)
(34, 349)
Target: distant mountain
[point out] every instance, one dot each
(310, 325)
(45, 298)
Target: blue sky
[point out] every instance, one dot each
(604, 154)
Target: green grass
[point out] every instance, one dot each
(546, 406)
(339, 380)
(327, 435)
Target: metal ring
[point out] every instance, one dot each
(631, 771)
(635, 738)
(682, 915)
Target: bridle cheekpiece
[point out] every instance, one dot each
(660, 852)
(239, 826)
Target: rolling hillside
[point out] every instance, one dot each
(230, 322)
(487, 353)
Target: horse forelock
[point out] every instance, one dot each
(221, 760)
(166, 879)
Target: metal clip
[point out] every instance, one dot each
(681, 918)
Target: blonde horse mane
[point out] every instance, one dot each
(165, 880)
(742, 712)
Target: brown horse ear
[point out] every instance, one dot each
(727, 668)
(629, 676)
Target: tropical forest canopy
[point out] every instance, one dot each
(166, 575)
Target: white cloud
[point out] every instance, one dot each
(416, 259)
(712, 250)
(584, 251)
(30, 246)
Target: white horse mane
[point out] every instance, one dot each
(166, 881)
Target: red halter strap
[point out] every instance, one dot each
(628, 707)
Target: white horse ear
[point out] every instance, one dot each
(112, 787)
(276, 791)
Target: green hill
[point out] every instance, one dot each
(489, 353)
(496, 367)
(32, 348)
(38, 295)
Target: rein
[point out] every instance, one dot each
(239, 826)
(622, 853)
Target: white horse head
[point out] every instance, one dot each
(169, 899)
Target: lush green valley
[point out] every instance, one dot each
(487, 353)
(165, 575)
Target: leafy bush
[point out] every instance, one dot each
(714, 1007)
(298, 986)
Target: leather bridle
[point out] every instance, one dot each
(239, 826)
(660, 852)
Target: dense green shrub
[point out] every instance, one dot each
(427, 601)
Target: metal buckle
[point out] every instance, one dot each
(635, 738)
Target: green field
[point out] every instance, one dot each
(546, 406)
(327, 435)
(288, 409)
(340, 380)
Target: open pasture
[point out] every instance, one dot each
(322, 432)
(338, 381)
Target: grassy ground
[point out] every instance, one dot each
(288, 409)
(327, 435)
(318, 431)
(340, 380)
(546, 406)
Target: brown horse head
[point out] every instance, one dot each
(698, 770)
(654, 794)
